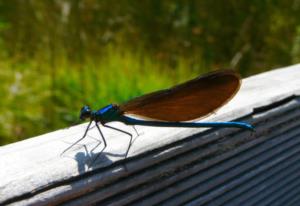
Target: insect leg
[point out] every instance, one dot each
(104, 142)
(102, 136)
(135, 130)
(130, 142)
(84, 135)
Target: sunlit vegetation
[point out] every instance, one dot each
(56, 56)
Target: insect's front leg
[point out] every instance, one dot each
(84, 135)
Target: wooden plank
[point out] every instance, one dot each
(257, 186)
(33, 171)
(198, 184)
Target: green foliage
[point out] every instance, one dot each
(296, 47)
(36, 100)
(56, 56)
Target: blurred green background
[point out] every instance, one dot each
(57, 55)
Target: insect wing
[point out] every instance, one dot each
(190, 100)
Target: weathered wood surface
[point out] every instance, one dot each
(169, 166)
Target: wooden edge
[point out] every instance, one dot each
(37, 164)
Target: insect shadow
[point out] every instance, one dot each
(95, 156)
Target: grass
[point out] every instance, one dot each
(41, 96)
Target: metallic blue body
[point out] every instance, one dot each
(105, 109)
(132, 121)
(112, 112)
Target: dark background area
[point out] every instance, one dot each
(58, 55)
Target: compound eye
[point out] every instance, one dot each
(85, 112)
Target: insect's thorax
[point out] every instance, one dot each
(107, 114)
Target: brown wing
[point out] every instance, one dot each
(191, 100)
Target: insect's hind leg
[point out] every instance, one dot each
(130, 142)
(135, 130)
(84, 135)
